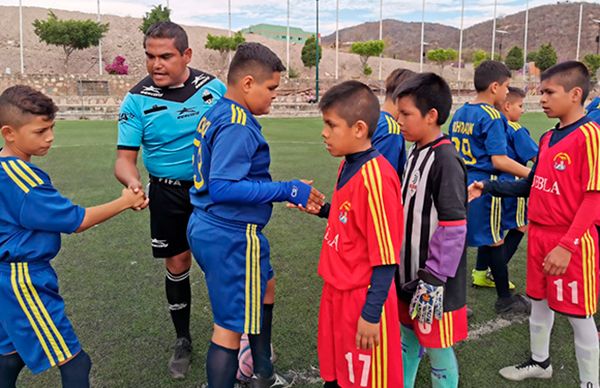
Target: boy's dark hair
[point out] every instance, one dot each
(168, 30)
(428, 91)
(395, 79)
(254, 59)
(489, 72)
(569, 75)
(515, 93)
(17, 102)
(352, 101)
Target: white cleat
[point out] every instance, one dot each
(527, 370)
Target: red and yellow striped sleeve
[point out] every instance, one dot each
(384, 213)
(591, 131)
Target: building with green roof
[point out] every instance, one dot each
(297, 35)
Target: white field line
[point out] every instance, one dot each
(113, 144)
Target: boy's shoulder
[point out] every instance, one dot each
(445, 153)
(226, 112)
(479, 111)
(22, 176)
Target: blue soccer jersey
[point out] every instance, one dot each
(520, 146)
(389, 142)
(33, 214)
(230, 146)
(162, 121)
(478, 132)
(593, 110)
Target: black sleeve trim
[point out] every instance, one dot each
(128, 148)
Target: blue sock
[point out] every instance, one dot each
(260, 345)
(221, 366)
(444, 368)
(10, 367)
(412, 352)
(76, 372)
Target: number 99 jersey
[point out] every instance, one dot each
(478, 132)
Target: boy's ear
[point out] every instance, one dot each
(8, 133)
(432, 116)
(361, 130)
(494, 87)
(576, 95)
(247, 82)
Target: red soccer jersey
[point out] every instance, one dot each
(564, 172)
(364, 228)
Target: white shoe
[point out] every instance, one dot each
(527, 370)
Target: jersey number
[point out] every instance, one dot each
(198, 178)
(464, 150)
(559, 291)
(366, 360)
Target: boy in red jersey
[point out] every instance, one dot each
(564, 198)
(359, 333)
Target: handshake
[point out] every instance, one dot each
(134, 197)
(314, 202)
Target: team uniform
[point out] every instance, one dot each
(593, 109)
(434, 196)
(388, 140)
(162, 121)
(33, 215)
(478, 133)
(564, 172)
(364, 230)
(521, 148)
(226, 238)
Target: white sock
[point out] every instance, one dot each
(586, 350)
(540, 326)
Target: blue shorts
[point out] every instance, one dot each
(236, 265)
(32, 316)
(484, 217)
(514, 213)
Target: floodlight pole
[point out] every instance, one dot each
(460, 41)
(21, 36)
(525, 41)
(337, 37)
(317, 57)
(579, 31)
(287, 47)
(494, 31)
(380, 35)
(99, 45)
(422, 37)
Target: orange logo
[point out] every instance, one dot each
(561, 161)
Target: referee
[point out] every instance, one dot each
(160, 115)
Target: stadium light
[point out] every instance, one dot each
(579, 31)
(317, 56)
(380, 35)
(99, 44)
(422, 37)
(337, 37)
(525, 40)
(494, 30)
(502, 33)
(21, 36)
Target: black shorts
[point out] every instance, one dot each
(170, 211)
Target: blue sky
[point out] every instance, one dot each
(302, 12)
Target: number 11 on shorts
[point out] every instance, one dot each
(559, 291)
(366, 360)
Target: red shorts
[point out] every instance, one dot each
(452, 328)
(576, 291)
(339, 358)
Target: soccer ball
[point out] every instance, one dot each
(245, 362)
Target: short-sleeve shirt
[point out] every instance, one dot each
(365, 226)
(593, 110)
(33, 214)
(388, 140)
(564, 172)
(162, 121)
(520, 146)
(478, 132)
(229, 145)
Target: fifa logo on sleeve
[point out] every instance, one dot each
(344, 209)
(561, 161)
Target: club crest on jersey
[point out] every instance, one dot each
(413, 183)
(344, 209)
(152, 91)
(207, 97)
(561, 161)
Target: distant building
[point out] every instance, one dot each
(297, 35)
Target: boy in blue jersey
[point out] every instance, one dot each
(387, 138)
(521, 148)
(478, 132)
(232, 198)
(593, 109)
(34, 329)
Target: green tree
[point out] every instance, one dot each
(442, 57)
(224, 44)
(157, 14)
(69, 34)
(592, 61)
(514, 59)
(309, 52)
(545, 57)
(482, 55)
(367, 49)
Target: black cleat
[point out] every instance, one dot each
(515, 304)
(179, 364)
(275, 381)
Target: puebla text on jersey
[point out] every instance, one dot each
(33, 214)
(162, 122)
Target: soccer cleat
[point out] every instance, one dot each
(275, 381)
(485, 279)
(515, 304)
(179, 363)
(529, 369)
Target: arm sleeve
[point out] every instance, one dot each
(446, 249)
(47, 210)
(517, 188)
(591, 167)
(495, 137)
(585, 218)
(254, 192)
(324, 212)
(525, 147)
(381, 281)
(232, 151)
(130, 125)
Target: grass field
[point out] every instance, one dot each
(114, 289)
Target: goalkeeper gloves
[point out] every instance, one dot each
(428, 299)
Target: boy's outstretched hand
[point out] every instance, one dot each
(367, 334)
(315, 200)
(475, 190)
(135, 200)
(557, 261)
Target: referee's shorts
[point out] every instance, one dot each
(170, 211)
